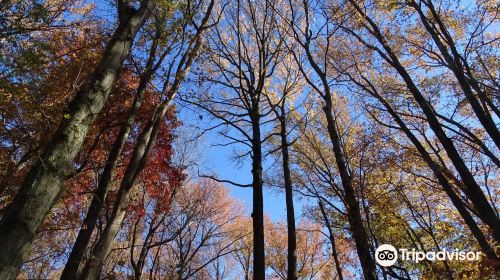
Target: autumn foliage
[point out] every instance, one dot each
(158, 139)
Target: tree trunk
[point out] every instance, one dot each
(135, 167)
(361, 238)
(259, 267)
(43, 185)
(138, 266)
(141, 152)
(71, 270)
(338, 267)
(352, 206)
(290, 212)
(472, 190)
(75, 260)
(455, 199)
(453, 61)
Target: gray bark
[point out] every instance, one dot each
(331, 236)
(356, 227)
(137, 163)
(76, 258)
(44, 182)
(290, 212)
(354, 218)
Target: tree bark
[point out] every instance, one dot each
(135, 167)
(141, 152)
(259, 266)
(75, 260)
(138, 265)
(338, 267)
(453, 60)
(43, 185)
(359, 234)
(358, 231)
(83, 239)
(352, 206)
(472, 190)
(455, 199)
(290, 212)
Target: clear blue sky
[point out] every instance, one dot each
(219, 160)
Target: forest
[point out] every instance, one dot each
(249, 139)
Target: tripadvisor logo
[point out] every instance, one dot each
(387, 255)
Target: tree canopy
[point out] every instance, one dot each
(375, 122)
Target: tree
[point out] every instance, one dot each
(188, 240)
(316, 173)
(243, 50)
(43, 183)
(435, 24)
(312, 55)
(33, 100)
(391, 56)
(153, 62)
(146, 140)
(311, 261)
(203, 226)
(288, 86)
(378, 117)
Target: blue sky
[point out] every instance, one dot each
(219, 160)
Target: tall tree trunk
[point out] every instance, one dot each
(331, 236)
(358, 231)
(71, 269)
(138, 266)
(43, 185)
(473, 191)
(359, 234)
(447, 187)
(113, 226)
(259, 266)
(75, 260)
(290, 212)
(141, 152)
